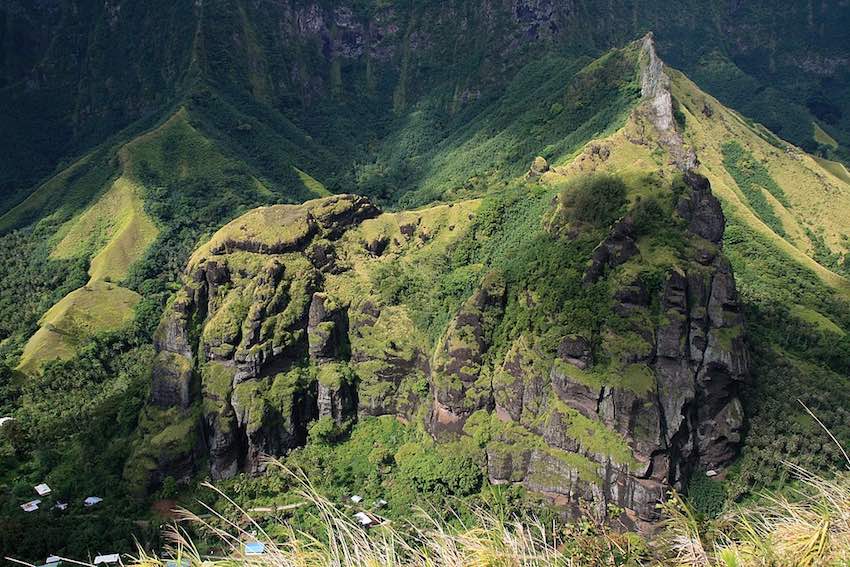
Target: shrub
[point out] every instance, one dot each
(705, 495)
(597, 199)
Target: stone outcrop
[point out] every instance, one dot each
(457, 363)
(539, 166)
(294, 313)
(249, 309)
(658, 105)
(662, 407)
(258, 346)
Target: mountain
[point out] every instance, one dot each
(334, 80)
(595, 362)
(420, 249)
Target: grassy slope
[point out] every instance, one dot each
(61, 195)
(796, 305)
(835, 168)
(141, 219)
(797, 309)
(821, 136)
(97, 307)
(114, 233)
(116, 227)
(816, 201)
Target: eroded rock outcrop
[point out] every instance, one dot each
(652, 401)
(249, 311)
(620, 389)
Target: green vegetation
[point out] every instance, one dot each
(806, 526)
(115, 228)
(598, 200)
(30, 283)
(823, 255)
(381, 458)
(242, 109)
(74, 425)
(493, 532)
(593, 435)
(796, 356)
(705, 495)
(94, 308)
(752, 178)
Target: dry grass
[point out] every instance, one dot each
(423, 541)
(808, 526)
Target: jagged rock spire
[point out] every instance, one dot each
(658, 105)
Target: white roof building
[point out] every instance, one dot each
(92, 500)
(31, 506)
(357, 499)
(53, 559)
(363, 519)
(61, 505)
(106, 559)
(381, 503)
(42, 489)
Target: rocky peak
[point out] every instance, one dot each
(658, 105)
(281, 320)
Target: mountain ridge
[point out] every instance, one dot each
(297, 332)
(411, 304)
(313, 56)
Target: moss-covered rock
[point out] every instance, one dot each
(586, 338)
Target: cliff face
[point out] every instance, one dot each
(622, 387)
(250, 309)
(616, 420)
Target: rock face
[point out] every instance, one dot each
(655, 89)
(663, 404)
(293, 313)
(250, 308)
(615, 420)
(538, 167)
(457, 363)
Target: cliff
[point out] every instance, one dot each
(597, 357)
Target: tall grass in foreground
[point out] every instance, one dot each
(808, 526)
(425, 540)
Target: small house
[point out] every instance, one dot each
(42, 489)
(357, 499)
(106, 559)
(363, 519)
(255, 548)
(31, 506)
(91, 501)
(61, 506)
(52, 559)
(381, 503)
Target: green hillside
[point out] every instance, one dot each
(488, 260)
(332, 82)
